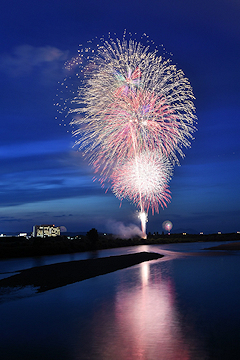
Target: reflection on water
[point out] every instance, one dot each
(168, 250)
(143, 324)
(178, 307)
(148, 325)
(145, 273)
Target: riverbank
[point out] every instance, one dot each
(16, 247)
(52, 276)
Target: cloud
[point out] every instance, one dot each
(44, 170)
(20, 150)
(24, 60)
(23, 190)
(10, 219)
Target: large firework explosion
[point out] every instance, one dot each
(134, 114)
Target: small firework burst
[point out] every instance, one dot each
(144, 181)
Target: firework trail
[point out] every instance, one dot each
(134, 113)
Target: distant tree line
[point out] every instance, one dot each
(21, 247)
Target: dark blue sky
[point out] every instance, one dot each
(44, 180)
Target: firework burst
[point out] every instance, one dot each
(134, 114)
(132, 91)
(144, 181)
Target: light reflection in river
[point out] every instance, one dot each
(182, 306)
(143, 323)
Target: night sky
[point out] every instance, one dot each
(44, 179)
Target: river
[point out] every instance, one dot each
(180, 307)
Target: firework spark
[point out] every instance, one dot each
(134, 114)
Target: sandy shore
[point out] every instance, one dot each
(231, 246)
(56, 275)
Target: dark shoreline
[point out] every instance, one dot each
(52, 276)
(19, 247)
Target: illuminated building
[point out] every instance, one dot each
(46, 230)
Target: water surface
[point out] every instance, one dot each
(182, 306)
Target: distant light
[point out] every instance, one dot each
(201, 233)
(184, 233)
(104, 234)
(22, 234)
(238, 232)
(219, 232)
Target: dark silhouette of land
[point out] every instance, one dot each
(21, 247)
(92, 236)
(52, 276)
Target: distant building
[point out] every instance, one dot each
(46, 230)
